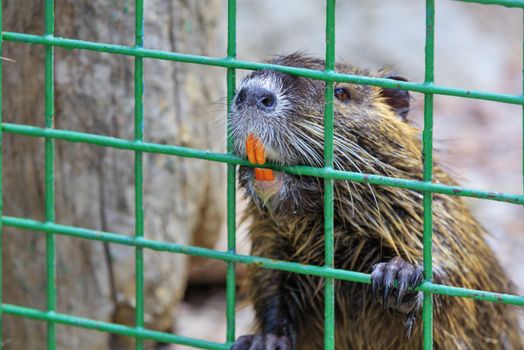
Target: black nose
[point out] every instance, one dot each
(258, 97)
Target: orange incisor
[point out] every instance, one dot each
(256, 155)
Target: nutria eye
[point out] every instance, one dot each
(342, 94)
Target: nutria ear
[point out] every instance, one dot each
(397, 99)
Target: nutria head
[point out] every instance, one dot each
(285, 114)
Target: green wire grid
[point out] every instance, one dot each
(139, 147)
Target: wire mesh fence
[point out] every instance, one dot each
(139, 147)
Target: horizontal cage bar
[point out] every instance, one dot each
(114, 328)
(328, 173)
(322, 271)
(232, 63)
(506, 3)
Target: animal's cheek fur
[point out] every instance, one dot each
(351, 113)
(343, 109)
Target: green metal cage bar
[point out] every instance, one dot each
(321, 271)
(49, 174)
(138, 146)
(231, 177)
(107, 141)
(427, 153)
(226, 62)
(329, 244)
(139, 173)
(507, 3)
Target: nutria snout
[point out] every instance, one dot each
(256, 97)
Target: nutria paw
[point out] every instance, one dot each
(262, 342)
(407, 275)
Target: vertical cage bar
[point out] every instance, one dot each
(139, 172)
(49, 173)
(329, 287)
(1, 183)
(427, 150)
(231, 177)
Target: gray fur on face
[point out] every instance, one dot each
(283, 142)
(270, 127)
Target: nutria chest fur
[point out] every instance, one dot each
(377, 229)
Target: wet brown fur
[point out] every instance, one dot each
(372, 225)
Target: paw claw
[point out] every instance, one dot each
(404, 280)
(392, 270)
(407, 276)
(410, 322)
(401, 290)
(417, 277)
(385, 296)
(383, 277)
(377, 276)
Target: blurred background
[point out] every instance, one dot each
(480, 143)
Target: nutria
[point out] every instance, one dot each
(279, 118)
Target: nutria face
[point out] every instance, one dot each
(285, 113)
